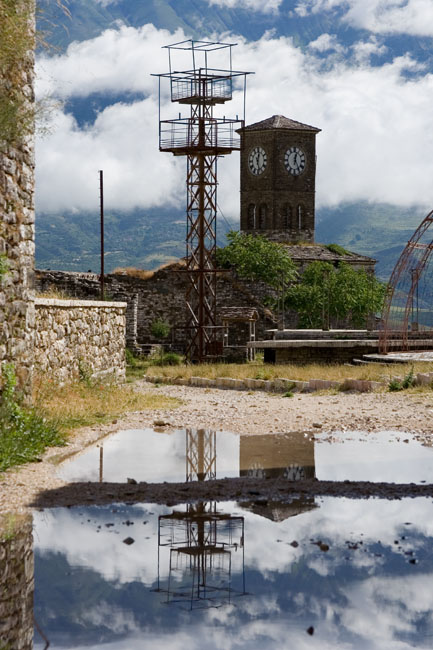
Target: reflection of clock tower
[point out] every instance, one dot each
(278, 170)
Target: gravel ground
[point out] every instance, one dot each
(237, 411)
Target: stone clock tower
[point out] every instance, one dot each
(278, 172)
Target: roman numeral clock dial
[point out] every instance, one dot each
(257, 160)
(294, 161)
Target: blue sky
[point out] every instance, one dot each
(373, 106)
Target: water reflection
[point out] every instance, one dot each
(206, 454)
(201, 540)
(201, 565)
(272, 456)
(154, 456)
(16, 582)
(358, 572)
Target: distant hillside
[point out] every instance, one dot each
(378, 230)
(144, 239)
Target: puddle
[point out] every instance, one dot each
(147, 455)
(356, 574)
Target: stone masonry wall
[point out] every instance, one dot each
(161, 296)
(17, 240)
(79, 337)
(17, 586)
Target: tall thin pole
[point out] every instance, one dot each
(101, 198)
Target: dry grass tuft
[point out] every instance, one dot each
(55, 293)
(335, 372)
(82, 403)
(132, 272)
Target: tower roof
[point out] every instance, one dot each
(280, 122)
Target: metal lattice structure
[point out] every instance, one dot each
(200, 455)
(408, 309)
(202, 138)
(200, 542)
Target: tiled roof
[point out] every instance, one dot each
(320, 252)
(280, 122)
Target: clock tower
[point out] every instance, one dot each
(278, 173)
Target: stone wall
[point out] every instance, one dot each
(16, 584)
(76, 338)
(17, 236)
(161, 296)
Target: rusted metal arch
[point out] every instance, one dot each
(400, 268)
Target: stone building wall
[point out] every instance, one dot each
(17, 237)
(162, 296)
(16, 584)
(76, 337)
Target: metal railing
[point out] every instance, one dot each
(207, 89)
(194, 134)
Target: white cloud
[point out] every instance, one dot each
(326, 42)
(379, 16)
(265, 6)
(376, 121)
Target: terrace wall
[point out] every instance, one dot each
(79, 337)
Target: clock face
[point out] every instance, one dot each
(294, 161)
(257, 160)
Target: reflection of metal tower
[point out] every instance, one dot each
(200, 455)
(202, 138)
(201, 540)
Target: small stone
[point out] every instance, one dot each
(295, 544)
(324, 547)
(159, 423)
(317, 425)
(128, 541)
(310, 630)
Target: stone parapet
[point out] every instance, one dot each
(76, 338)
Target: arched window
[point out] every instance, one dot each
(262, 216)
(251, 216)
(287, 217)
(300, 217)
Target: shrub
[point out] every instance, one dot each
(168, 359)
(160, 329)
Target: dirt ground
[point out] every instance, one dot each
(243, 412)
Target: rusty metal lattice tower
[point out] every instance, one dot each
(407, 312)
(202, 138)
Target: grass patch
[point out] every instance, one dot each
(24, 432)
(257, 370)
(86, 403)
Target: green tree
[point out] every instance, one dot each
(256, 258)
(326, 294)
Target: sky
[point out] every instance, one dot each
(379, 601)
(374, 111)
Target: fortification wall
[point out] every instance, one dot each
(16, 585)
(17, 232)
(161, 296)
(76, 337)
